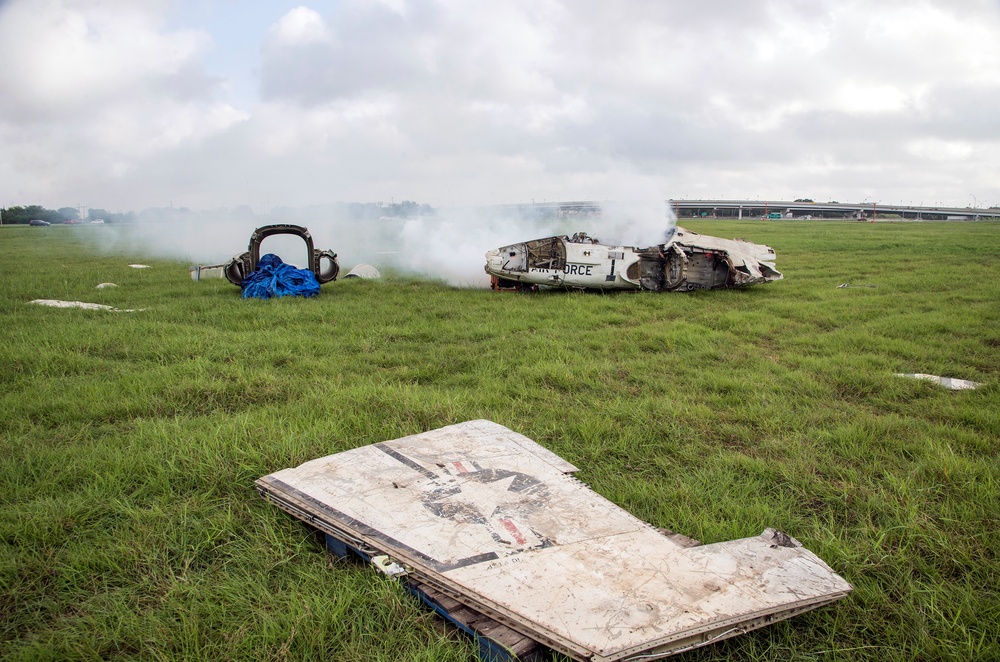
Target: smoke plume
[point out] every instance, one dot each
(448, 245)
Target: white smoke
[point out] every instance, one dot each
(449, 245)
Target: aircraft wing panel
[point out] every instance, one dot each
(496, 521)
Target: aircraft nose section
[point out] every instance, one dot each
(493, 260)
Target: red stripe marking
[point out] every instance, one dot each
(460, 467)
(518, 536)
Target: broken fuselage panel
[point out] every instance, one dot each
(686, 261)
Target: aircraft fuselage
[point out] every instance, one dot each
(686, 261)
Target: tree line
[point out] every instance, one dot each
(355, 210)
(23, 215)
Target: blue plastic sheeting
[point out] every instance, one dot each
(274, 278)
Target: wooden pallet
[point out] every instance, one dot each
(496, 641)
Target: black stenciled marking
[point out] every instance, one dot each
(533, 495)
(578, 269)
(522, 484)
(399, 457)
(365, 530)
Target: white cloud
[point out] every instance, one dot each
(935, 149)
(102, 87)
(465, 101)
(66, 57)
(300, 26)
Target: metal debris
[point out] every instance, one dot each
(139, 266)
(685, 261)
(102, 286)
(366, 271)
(949, 383)
(199, 272)
(840, 287)
(323, 264)
(496, 523)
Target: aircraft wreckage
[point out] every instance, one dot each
(323, 264)
(492, 531)
(685, 261)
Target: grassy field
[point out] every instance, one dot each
(130, 528)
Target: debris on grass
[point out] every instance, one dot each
(949, 383)
(55, 303)
(475, 518)
(685, 261)
(366, 271)
(840, 287)
(274, 278)
(323, 265)
(102, 286)
(201, 272)
(139, 266)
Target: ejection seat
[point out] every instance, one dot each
(323, 264)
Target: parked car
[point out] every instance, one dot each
(99, 221)
(38, 223)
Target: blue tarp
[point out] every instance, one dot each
(274, 278)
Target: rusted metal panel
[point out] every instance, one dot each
(494, 521)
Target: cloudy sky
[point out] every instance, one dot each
(127, 104)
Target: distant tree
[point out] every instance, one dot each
(17, 215)
(69, 213)
(98, 214)
(35, 211)
(803, 200)
(408, 208)
(14, 216)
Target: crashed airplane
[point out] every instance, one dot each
(491, 530)
(685, 261)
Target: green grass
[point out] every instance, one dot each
(129, 526)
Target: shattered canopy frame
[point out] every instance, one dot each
(497, 522)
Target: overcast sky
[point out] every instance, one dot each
(127, 104)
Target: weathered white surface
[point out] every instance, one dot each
(56, 303)
(199, 272)
(591, 265)
(101, 286)
(139, 266)
(947, 382)
(493, 518)
(366, 271)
